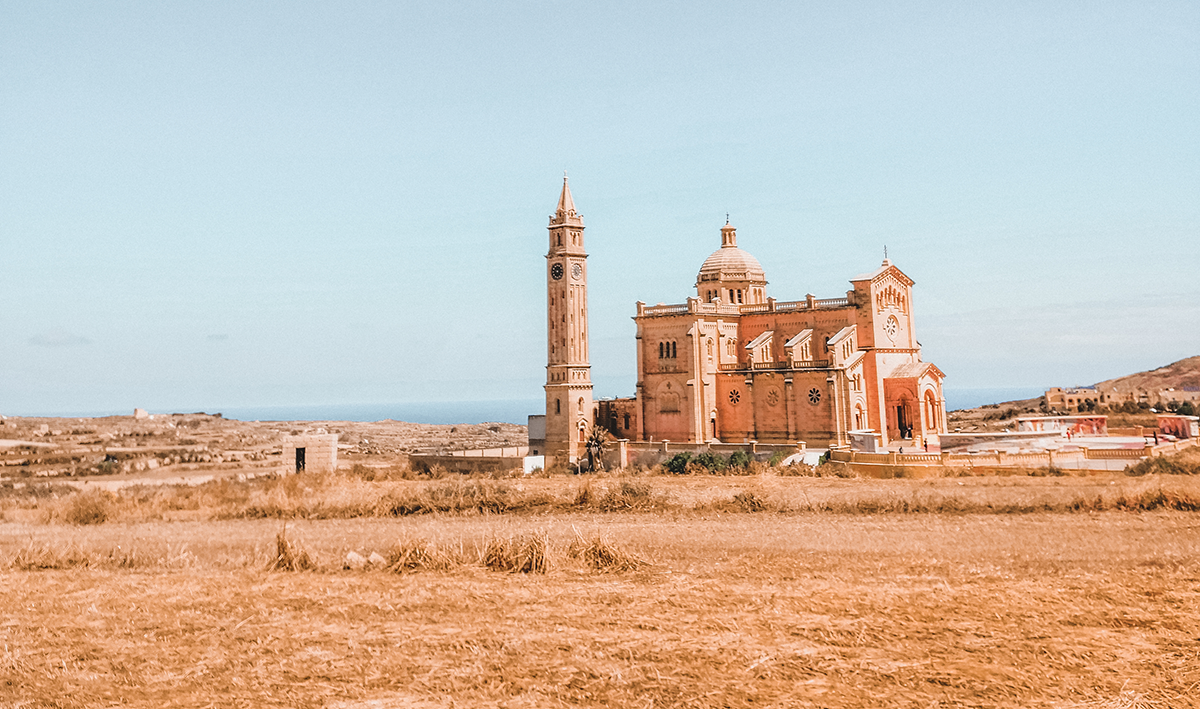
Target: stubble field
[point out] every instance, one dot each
(828, 605)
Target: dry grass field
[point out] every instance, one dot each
(757, 591)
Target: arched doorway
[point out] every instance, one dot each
(904, 422)
(931, 411)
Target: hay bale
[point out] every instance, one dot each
(602, 555)
(417, 554)
(289, 556)
(524, 554)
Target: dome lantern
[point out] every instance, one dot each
(731, 274)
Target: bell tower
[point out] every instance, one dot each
(568, 374)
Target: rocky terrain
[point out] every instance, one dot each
(1001, 416)
(1177, 375)
(172, 445)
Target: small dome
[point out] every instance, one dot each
(731, 264)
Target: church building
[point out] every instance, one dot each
(732, 364)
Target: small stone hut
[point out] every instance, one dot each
(311, 453)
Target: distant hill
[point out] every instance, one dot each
(1181, 374)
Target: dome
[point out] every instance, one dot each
(729, 263)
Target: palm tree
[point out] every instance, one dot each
(596, 439)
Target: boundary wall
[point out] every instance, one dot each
(915, 464)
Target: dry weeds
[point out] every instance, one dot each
(313, 497)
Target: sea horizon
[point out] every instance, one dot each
(514, 411)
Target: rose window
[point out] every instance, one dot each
(735, 396)
(814, 396)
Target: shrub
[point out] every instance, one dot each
(91, 507)
(796, 470)
(1164, 465)
(740, 459)
(108, 467)
(712, 462)
(748, 501)
(678, 463)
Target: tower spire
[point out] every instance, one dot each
(566, 205)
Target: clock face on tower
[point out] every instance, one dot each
(556, 271)
(576, 271)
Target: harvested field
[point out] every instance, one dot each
(1094, 609)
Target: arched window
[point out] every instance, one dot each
(674, 352)
(560, 239)
(660, 350)
(858, 417)
(558, 406)
(626, 421)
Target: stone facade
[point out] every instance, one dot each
(758, 369)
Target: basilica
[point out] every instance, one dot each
(732, 364)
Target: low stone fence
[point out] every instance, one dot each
(889, 464)
(506, 452)
(1174, 447)
(455, 463)
(624, 453)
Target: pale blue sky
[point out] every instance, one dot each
(208, 205)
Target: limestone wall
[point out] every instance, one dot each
(320, 453)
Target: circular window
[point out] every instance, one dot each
(891, 327)
(734, 396)
(814, 396)
(773, 397)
